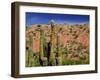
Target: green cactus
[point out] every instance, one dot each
(43, 60)
(59, 51)
(41, 44)
(29, 53)
(52, 60)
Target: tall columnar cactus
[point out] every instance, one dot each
(42, 59)
(29, 53)
(52, 54)
(59, 49)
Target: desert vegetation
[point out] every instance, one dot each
(57, 44)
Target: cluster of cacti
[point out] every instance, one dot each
(53, 58)
(59, 44)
